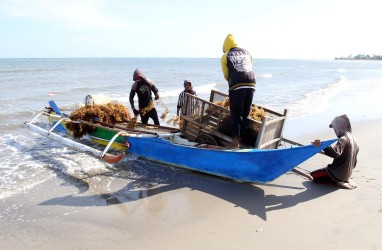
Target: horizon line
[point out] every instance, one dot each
(162, 57)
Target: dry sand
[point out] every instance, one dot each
(165, 208)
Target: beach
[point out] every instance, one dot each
(52, 196)
(312, 61)
(166, 208)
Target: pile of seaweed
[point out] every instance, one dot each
(110, 113)
(249, 135)
(133, 121)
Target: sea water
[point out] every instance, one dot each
(313, 92)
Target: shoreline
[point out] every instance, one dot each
(158, 207)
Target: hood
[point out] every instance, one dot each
(229, 43)
(187, 81)
(138, 74)
(341, 125)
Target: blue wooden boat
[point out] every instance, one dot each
(162, 144)
(250, 165)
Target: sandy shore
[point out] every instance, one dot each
(165, 208)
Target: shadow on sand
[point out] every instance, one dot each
(144, 179)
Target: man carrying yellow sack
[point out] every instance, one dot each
(237, 69)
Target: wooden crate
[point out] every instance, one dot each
(201, 117)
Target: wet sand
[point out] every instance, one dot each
(158, 207)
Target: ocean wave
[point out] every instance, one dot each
(12, 71)
(29, 161)
(205, 89)
(264, 76)
(170, 92)
(9, 116)
(202, 89)
(19, 170)
(318, 101)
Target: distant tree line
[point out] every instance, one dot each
(360, 57)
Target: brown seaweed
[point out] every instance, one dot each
(110, 113)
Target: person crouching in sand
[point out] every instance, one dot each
(344, 152)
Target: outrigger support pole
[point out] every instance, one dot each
(297, 171)
(109, 158)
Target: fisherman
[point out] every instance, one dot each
(187, 89)
(236, 64)
(143, 87)
(344, 152)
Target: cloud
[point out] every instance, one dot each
(71, 14)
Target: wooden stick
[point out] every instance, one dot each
(297, 143)
(113, 127)
(302, 173)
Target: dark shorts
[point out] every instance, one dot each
(151, 114)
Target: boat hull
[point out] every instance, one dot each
(248, 165)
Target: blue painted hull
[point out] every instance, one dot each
(249, 165)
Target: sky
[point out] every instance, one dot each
(293, 29)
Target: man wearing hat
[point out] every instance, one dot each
(237, 64)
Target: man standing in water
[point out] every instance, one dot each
(143, 86)
(237, 69)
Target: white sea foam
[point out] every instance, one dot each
(27, 162)
(205, 89)
(18, 168)
(170, 92)
(341, 70)
(264, 76)
(202, 89)
(317, 101)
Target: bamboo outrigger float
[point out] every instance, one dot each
(181, 149)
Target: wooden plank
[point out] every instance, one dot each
(302, 173)
(213, 99)
(271, 111)
(262, 146)
(283, 123)
(211, 115)
(202, 112)
(261, 131)
(215, 93)
(190, 137)
(292, 142)
(272, 131)
(277, 120)
(210, 130)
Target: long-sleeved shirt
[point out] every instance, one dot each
(344, 152)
